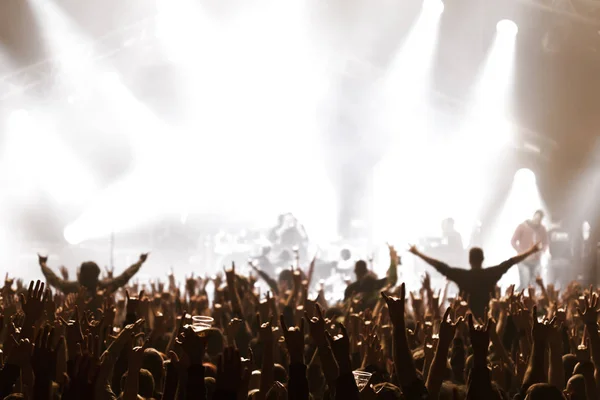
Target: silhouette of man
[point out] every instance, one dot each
(477, 283)
(88, 277)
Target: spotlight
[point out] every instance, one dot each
(435, 7)
(525, 176)
(71, 236)
(507, 27)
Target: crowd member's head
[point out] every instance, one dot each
(569, 363)
(280, 374)
(345, 254)
(576, 389)
(544, 391)
(360, 269)
(538, 217)
(476, 258)
(211, 386)
(153, 362)
(146, 384)
(88, 274)
(285, 280)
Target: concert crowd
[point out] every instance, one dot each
(102, 336)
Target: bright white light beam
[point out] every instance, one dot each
(406, 88)
(486, 129)
(523, 200)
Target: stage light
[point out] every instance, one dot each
(586, 230)
(71, 236)
(405, 98)
(433, 7)
(507, 27)
(525, 176)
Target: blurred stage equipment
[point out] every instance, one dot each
(561, 248)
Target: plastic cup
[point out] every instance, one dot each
(361, 378)
(201, 323)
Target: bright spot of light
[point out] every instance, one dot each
(71, 235)
(525, 176)
(433, 7)
(586, 230)
(507, 27)
(487, 127)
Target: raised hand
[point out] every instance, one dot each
(19, 352)
(413, 337)
(159, 328)
(193, 346)
(265, 331)
(588, 309)
(230, 275)
(136, 357)
(133, 303)
(413, 249)
(64, 272)
(536, 248)
(49, 305)
(294, 340)
(81, 379)
(340, 345)
(417, 305)
(396, 307)
(230, 371)
(395, 259)
(45, 353)
(42, 259)
(316, 326)
(541, 331)
(480, 340)
(144, 257)
(264, 307)
(297, 278)
(74, 335)
(233, 328)
(373, 353)
(448, 327)
(33, 304)
(426, 282)
(110, 272)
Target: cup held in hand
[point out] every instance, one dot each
(361, 378)
(201, 323)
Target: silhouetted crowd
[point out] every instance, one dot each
(104, 337)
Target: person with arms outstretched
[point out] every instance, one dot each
(89, 277)
(477, 283)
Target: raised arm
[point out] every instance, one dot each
(508, 264)
(440, 266)
(54, 281)
(589, 314)
(440, 360)
(114, 284)
(479, 384)
(406, 372)
(267, 278)
(392, 272)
